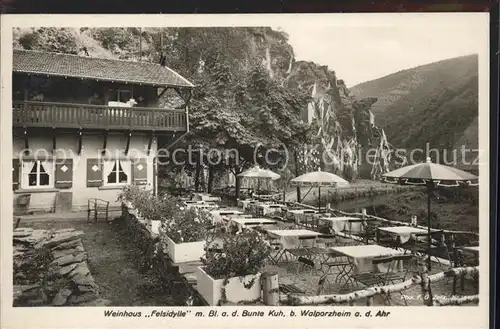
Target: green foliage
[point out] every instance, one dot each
(189, 225)
(49, 39)
(243, 253)
(148, 205)
(178, 224)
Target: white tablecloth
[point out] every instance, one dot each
(219, 214)
(244, 203)
(338, 224)
(270, 208)
(362, 257)
(472, 249)
(299, 214)
(251, 222)
(206, 197)
(403, 232)
(290, 239)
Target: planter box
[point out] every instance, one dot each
(155, 226)
(211, 289)
(184, 252)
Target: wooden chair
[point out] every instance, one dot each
(302, 251)
(334, 262)
(305, 262)
(369, 231)
(97, 207)
(438, 247)
(17, 221)
(372, 278)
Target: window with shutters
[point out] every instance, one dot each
(37, 174)
(117, 172)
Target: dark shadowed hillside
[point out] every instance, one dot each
(437, 102)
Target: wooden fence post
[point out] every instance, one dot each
(270, 288)
(425, 284)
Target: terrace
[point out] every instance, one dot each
(314, 267)
(309, 266)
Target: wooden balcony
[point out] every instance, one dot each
(69, 115)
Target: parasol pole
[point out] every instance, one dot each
(429, 193)
(319, 198)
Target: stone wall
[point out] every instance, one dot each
(50, 269)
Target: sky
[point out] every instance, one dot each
(363, 53)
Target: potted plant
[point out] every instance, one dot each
(127, 195)
(185, 234)
(233, 273)
(147, 207)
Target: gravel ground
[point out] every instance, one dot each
(307, 279)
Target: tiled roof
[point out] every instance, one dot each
(55, 64)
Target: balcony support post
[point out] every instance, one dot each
(105, 142)
(26, 142)
(54, 141)
(129, 134)
(80, 137)
(151, 135)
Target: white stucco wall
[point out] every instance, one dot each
(91, 146)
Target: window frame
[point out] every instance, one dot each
(49, 168)
(117, 163)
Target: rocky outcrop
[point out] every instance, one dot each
(345, 126)
(50, 269)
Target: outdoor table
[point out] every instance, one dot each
(251, 207)
(473, 250)
(186, 202)
(242, 222)
(296, 213)
(290, 239)
(206, 197)
(402, 232)
(340, 224)
(362, 256)
(244, 203)
(201, 206)
(270, 208)
(218, 214)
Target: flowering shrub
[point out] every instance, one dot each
(189, 225)
(243, 253)
(148, 205)
(179, 224)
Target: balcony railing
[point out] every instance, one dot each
(68, 115)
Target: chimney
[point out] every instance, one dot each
(163, 59)
(84, 49)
